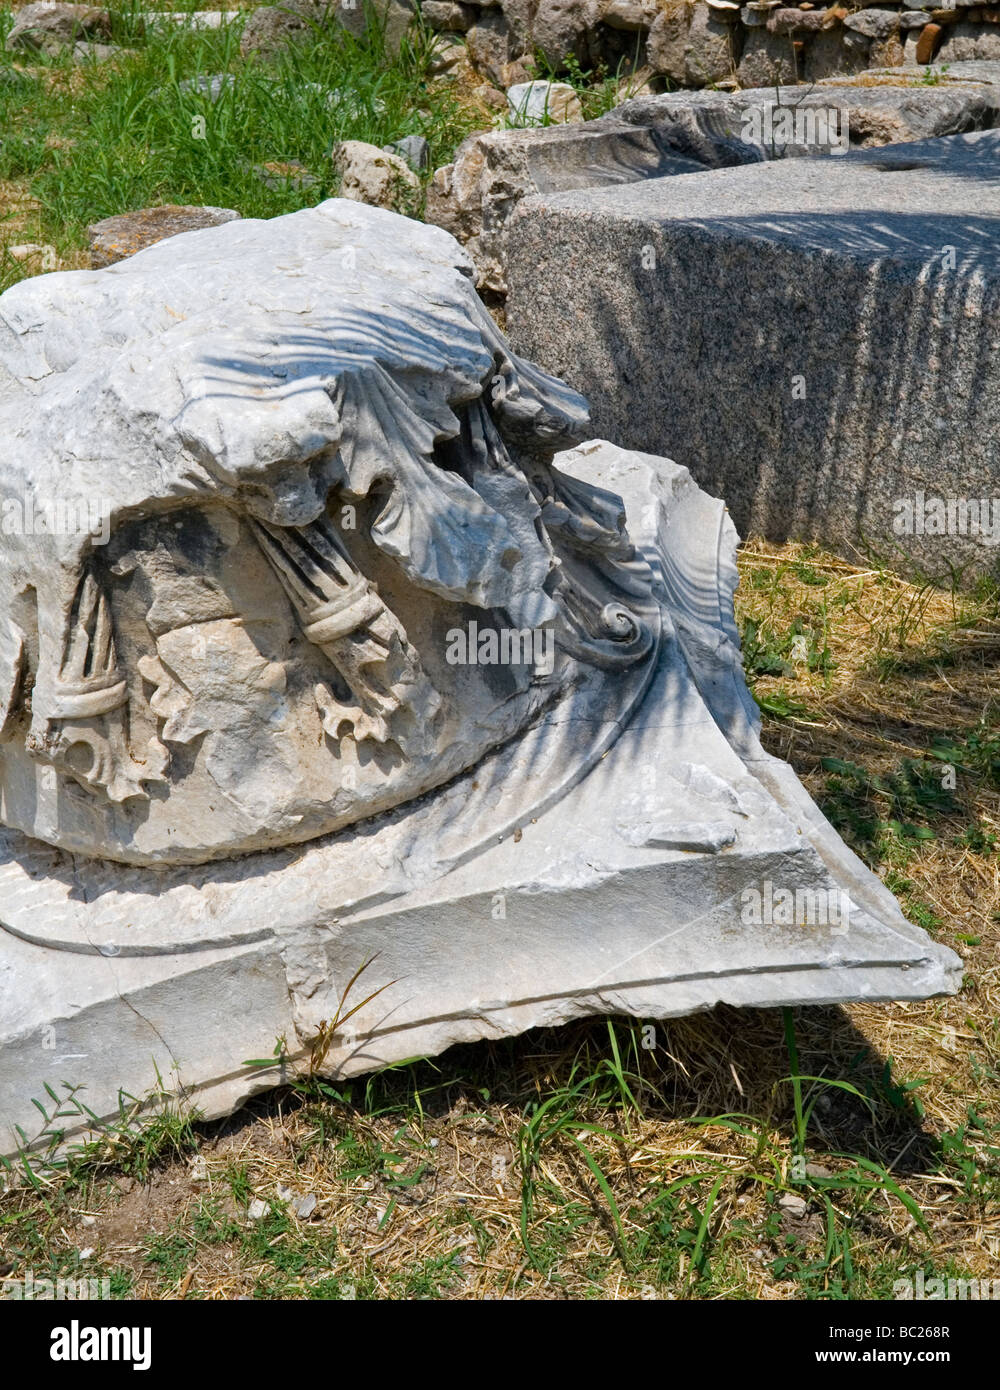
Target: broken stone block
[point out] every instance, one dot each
(414, 149)
(541, 103)
(50, 24)
(473, 197)
(895, 247)
(652, 136)
(374, 176)
(117, 238)
(370, 663)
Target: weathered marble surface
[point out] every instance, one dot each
(593, 865)
(305, 485)
(236, 760)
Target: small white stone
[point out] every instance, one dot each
(794, 1205)
(543, 103)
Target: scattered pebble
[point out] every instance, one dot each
(792, 1204)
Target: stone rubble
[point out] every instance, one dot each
(699, 43)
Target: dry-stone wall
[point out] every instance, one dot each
(698, 43)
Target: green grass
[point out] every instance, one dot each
(604, 1202)
(98, 139)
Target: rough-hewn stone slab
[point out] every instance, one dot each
(816, 341)
(680, 132)
(473, 197)
(711, 127)
(117, 238)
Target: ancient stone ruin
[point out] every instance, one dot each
(331, 642)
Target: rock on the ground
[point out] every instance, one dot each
(211, 85)
(538, 103)
(280, 174)
(373, 176)
(447, 55)
(191, 19)
(271, 29)
(99, 52)
(51, 24)
(781, 326)
(117, 238)
(473, 197)
(37, 256)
